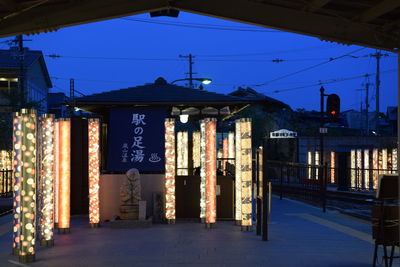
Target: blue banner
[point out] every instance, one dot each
(136, 139)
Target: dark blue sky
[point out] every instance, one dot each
(231, 58)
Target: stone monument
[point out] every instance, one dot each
(132, 207)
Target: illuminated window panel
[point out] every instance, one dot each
(211, 171)
(170, 170)
(353, 168)
(28, 186)
(196, 149)
(375, 166)
(238, 175)
(231, 148)
(183, 153)
(17, 135)
(333, 166)
(225, 153)
(94, 171)
(385, 160)
(202, 170)
(246, 173)
(57, 171)
(394, 159)
(64, 175)
(366, 169)
(47, 174)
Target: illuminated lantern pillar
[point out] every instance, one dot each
(375, 166)
(225, 153)
(394, 159)
(359, 168)
(385, 160)
(28, 186)
(202, 171)
(196, 149)
(366, 169)
(333, 166)
(238, 175)
(231, 148)
(17, 135)
(170, 170)
(47, 174)
(260, 171)
(246, 163)
(57, 171)
(94, 171)
(309, 162)
(352, 168)
(211, 171)
(316, 162)
(64, 187)
(183, 153)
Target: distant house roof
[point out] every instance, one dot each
(159, 93)
(251, 94)
(392, 113)
(9, 60)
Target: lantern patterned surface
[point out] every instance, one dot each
(57, 170)
(64, 187)
(385, 160)
(246, 171)
(359, 173)
(94, 171)
(353, 168)
(309, 162)
(366, 169)
(231, 149)
(375, 166)
(202, 169)
(28, 186)
(47, 175)
(238, 175)
(196, 149)
(225, 153)
(260, 152)
(183, 153)
(170, 169)
(17, 135)
(211, 170)
(394, 159)
(333, 166)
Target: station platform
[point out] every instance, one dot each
(299, 235)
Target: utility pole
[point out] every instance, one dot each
(377, 56)
(367, 84)
(190, 58)
(72, 95)
(20, 42)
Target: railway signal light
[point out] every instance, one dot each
(333, 107)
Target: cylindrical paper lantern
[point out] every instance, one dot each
(211, 171)
(385, 160)
(202, 170)
(170, 170)
(394, 159)
(260, 170)
(353, 168)
(17, 135)
(64, 176)
(183, 153)
(231, 149)
(375, 166)
(28, 186)
(333, 166)
(57, 170)
(94, 171)
(359, 168)
(366, 169)
(196, 149)
(47, 174)
(225, 153)
(246, 171)
(238, 175)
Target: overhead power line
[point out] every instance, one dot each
(310, 67)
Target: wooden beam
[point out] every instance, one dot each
(297, 21)
(378, 10)
(9, 4)
(314, 5)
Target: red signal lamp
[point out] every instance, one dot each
(333, 112)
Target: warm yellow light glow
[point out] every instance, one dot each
(64, 174)
(375, 166)
(238, 175)
(183, 153)
(170, 169)
(385, 160)
(246, 171)
(202, 169)
(57, 169)
(353, 168)
(359, 168)
(225, 153)
(47, 174)
(394, 159)
(231, 142)
(309, 162)
(317, 162)
(333, 166)
(196, 149)
(260, 170)
(94, 170)
(211, 170)
(366, 169)
(184, 118)
(17, 134)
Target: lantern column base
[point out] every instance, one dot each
(47, 243)
(247, 228)
(209, 225)
(27, 258)
(203, 220)
(64, 231)
(238, 222)
(94, 225)
(171, 221)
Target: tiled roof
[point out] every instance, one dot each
(159, 92)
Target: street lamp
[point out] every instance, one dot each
(204, 81)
